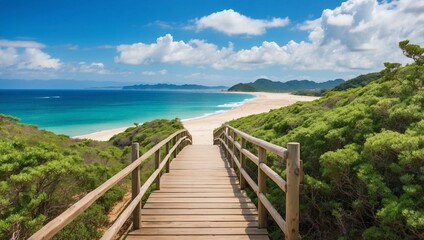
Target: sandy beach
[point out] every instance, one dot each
(202, 128)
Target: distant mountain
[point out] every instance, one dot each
(173, 87)
(266, 85)
(59, 84)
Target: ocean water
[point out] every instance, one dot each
(77, 112)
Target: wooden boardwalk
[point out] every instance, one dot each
(199, 199)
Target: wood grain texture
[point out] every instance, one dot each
(200, 198)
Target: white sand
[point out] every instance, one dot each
(202, 128)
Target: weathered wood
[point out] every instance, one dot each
(249, 180)
(55, 225)
(114, 229)
(200, 205)
(205, 224)
(280, 151)
(292, 197)
(274, 176)
(273, 212)
(261, 188)
(251, 156)
(157, 163)
(204, 200)
(191, 211)
(135, 179)
(200, 237)
(197, 218)
(290, 226)
(199, 231)
(242, 164)
(166, 153)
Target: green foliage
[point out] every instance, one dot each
(363, 156)
(42, 174)
(314, 93)
(412, 51)
(148, 134)
(265, 85)
(358, 81)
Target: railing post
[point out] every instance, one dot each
(135, 178)
(292, 194)
(169, 160)
(261, 188)
(233, 150)
(174, 141)
(157, 163)
(243, 164)
(227, 142)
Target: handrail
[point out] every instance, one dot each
(226, 136)
(180, 139)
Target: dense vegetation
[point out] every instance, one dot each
(42, 174)
(266, 85)
(363, 154)
(358, 81)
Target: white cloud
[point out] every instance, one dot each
(358, 35)
(29, 58)
(8, 56)
(20, 44)
(155, 73)
(94, 67)
(25, 55)
(35, 59)
(166, 50)
(233, 23)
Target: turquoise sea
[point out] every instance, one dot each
(77, 112)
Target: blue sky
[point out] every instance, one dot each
(206, 42)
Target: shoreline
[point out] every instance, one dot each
(202, 127)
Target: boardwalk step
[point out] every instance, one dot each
(200, 198)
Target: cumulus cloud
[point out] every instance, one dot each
(166, 50)
(357, 35)
(28, 58)
(155, 73)
(233, 23)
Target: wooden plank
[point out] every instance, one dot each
(198, 231)
(206, 224)
(193, 200)
(198, 190)
(200, 205)
(189, 211)
(197, 218)
(204, 195)
(55, 225)
(228, 186)
(199, 199)
(199, 237)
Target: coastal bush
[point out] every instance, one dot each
(42, 174)
(363, 155)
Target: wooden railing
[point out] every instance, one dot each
(178, 141)
(232, 141)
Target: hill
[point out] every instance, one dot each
(42, 174)
(173, 87)
(358, 81)
(363, 156)
(266, 85)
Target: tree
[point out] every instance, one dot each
(412, 51)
